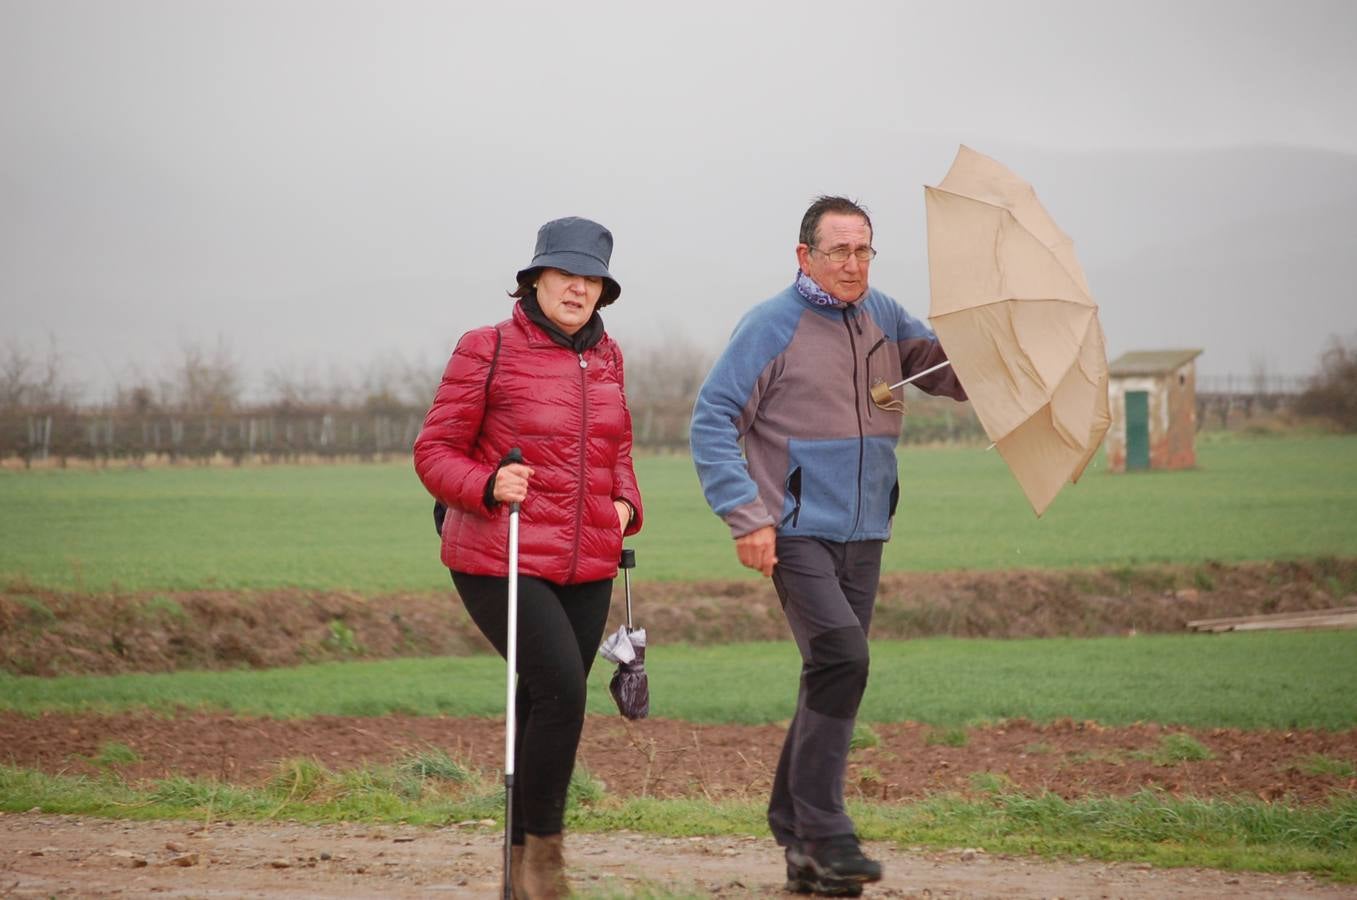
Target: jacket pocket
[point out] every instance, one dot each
(827, 475)
(793, 485)
(881, 365)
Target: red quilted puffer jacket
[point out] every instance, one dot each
(569, 415)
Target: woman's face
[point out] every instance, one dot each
(568, 300)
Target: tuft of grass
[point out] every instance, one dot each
(1319, 764)
(297, 778)
(585, 790)
(36, 613)
(342, 638)
(1177, 748)
(863, 736)
(161, 608)
(434, 763)
(114, 753)
(946, 737)
(869, 778)
(990, 782)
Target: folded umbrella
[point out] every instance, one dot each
(630, 686)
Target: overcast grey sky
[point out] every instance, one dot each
(323, 183)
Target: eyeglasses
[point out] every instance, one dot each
(841, 254)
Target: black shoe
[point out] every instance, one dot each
(832, 867)
(803, 880)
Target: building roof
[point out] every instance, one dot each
(1151, 362)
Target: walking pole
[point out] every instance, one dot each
(511, 657)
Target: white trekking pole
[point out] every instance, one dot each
(511, 658)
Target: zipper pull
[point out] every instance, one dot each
(583, 363)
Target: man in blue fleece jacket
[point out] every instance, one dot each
(810, 502)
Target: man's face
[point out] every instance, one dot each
(847, 280)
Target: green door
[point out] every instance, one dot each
(1137, 430)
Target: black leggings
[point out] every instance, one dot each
(559, 631)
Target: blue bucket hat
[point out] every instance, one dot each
(578, 246)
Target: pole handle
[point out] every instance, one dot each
(514, 455)
(628, 560)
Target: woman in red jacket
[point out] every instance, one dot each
(547, 380)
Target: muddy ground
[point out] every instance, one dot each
(667, 758)
(46, 633)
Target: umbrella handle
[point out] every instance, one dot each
(628, 563)
(626, 581)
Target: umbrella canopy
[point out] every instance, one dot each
(1013, 311)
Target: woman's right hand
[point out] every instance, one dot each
(511, 483)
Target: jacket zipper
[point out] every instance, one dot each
(857, 410)
(584, 452)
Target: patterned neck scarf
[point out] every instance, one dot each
(806, 287)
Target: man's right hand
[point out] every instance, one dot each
(758, 549)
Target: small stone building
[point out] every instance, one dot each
(1153, 396)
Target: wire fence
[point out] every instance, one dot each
(1254, 385)
(61, 435)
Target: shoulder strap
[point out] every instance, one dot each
(440, 511)
(494, 361)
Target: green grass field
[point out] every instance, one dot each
(368, 527)
(1261, 680)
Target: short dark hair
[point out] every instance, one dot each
(810, 222)
(527, 286)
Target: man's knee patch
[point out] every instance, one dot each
(837, 674)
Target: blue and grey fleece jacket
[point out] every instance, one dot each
(794, 386)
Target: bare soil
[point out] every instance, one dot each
(44, 632)
(668, 758)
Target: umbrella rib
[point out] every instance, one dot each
(1088, 299)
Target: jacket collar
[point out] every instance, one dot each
(530, 317)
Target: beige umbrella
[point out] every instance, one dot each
(1013, 311)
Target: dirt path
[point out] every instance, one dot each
(45, 856)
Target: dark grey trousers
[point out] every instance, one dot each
(827, 591)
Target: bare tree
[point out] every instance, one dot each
(1333, 390)
(30, 383)
(290, 390)
(662, 385)
(1258, 374)
(207, 382)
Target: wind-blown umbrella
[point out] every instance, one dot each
(1013, 310)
